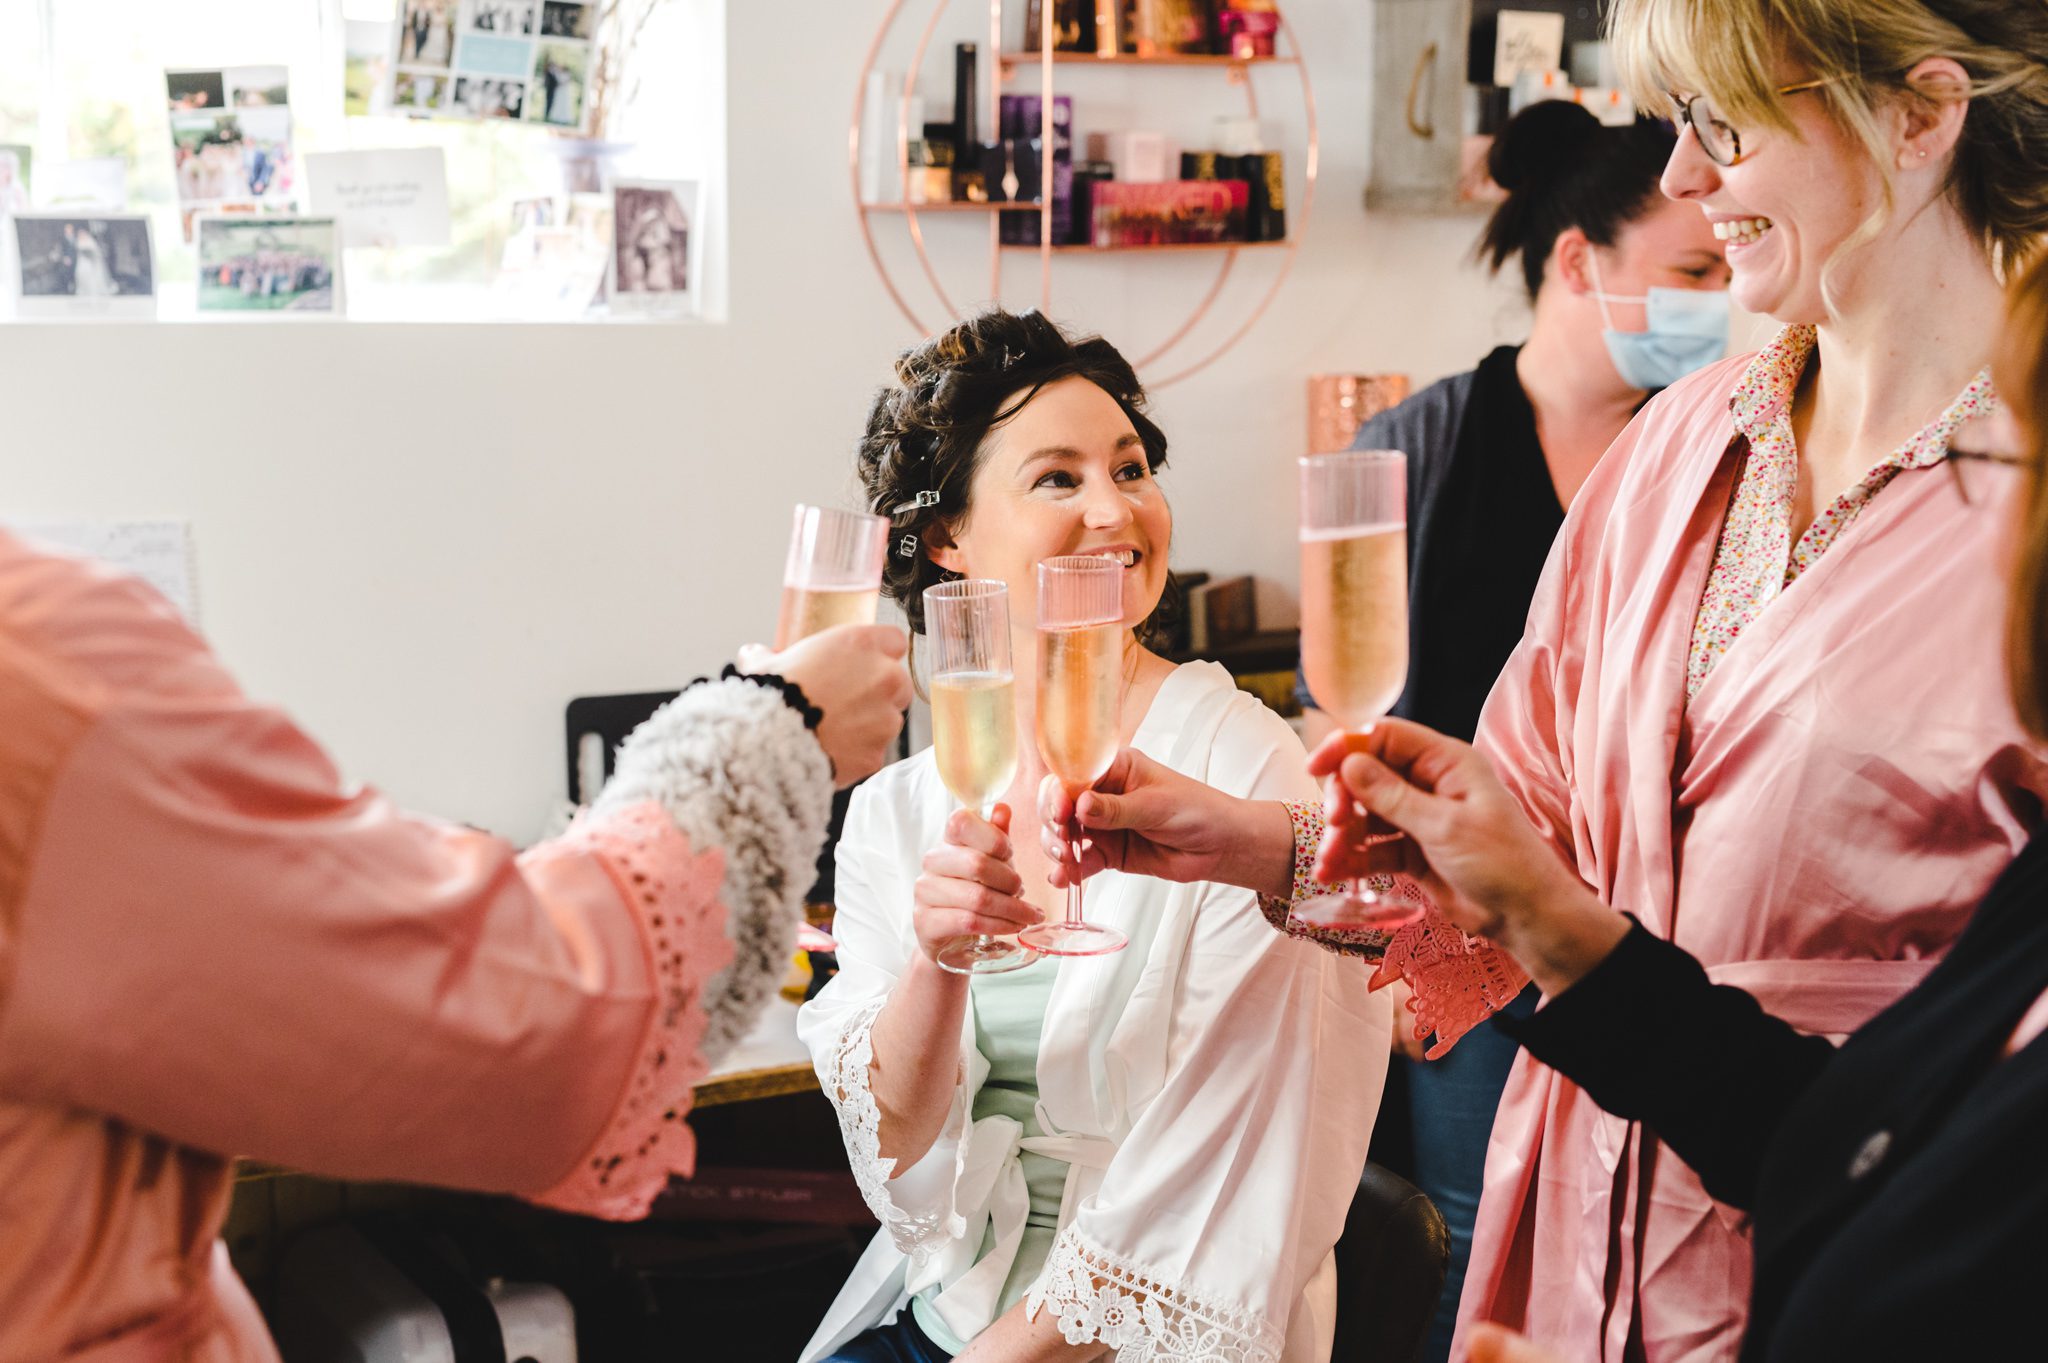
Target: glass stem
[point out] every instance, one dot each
(1074, 890)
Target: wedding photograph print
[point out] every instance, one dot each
(84, 266)
(653, 248)
(263, 265)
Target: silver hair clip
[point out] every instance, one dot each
(1008, 358)
(907, 547)
(919, 503)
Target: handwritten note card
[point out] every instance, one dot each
(383, 198)
(1526, 40)
(158, 552)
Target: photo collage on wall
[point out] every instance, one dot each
(231, 140)
(528, 60)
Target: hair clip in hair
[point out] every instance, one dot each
(918, 503)
(1008, 358)
(907, 547)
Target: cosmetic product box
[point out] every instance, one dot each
(1168, 212)
(1140, 155)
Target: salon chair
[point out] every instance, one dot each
(1390, 1270)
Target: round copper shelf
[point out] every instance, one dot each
(1238, 71)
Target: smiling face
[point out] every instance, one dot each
(1669, 247)
(1066, 475)
(1785, 208)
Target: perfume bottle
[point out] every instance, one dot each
(967, 181)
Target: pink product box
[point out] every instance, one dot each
(1137, 154)
(1248, 33)
(1170, 212)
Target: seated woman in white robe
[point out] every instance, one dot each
(1148, 1153)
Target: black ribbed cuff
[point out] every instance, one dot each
(792, 694)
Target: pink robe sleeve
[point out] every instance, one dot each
(207, 934)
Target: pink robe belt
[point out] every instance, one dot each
(1824, 997)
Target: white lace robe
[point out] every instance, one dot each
(1213, 1087)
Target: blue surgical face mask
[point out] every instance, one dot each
(1688, 329)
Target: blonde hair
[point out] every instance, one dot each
(1732, 50)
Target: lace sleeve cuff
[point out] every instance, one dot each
(737, 769)
(844, 1076)
(1307, 818)
(1098, 1297)
(674, 897)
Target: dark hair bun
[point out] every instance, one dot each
(1541, 144)
(1564, 168)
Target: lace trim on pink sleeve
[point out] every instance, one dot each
(1459, 980)
(674, 894)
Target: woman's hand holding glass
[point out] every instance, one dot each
(969, 886)
(1468, 844)
(1145, 819)
(856, 677)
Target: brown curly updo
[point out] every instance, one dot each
(926, 430)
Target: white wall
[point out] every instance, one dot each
(424, 539)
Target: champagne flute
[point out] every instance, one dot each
(1081, 639)
(833, 575)
(1354, 624)
(974, 727)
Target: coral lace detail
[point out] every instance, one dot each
(1459, 980)
(674, 893)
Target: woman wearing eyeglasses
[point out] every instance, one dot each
(1758, 701)
(1895, 1180)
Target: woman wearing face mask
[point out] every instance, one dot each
(1758, 703)
(1627, 294)
(1494, 457)
(1090, 1154)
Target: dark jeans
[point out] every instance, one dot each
(900, 1341)
(1453, 1101)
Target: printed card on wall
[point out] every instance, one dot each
(161, 553)
(394, 196)
(74, 265)
(231, 139)
(99, 184)
(260, 265)
(15, 159)
(524, 60)
(655, 247)
(1526, 40)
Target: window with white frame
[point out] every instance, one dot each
(84, 80)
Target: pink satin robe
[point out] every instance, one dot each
(1816, 827)
(210, 946)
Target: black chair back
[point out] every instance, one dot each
(1390, 1270)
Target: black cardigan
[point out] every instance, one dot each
(1899, 1185)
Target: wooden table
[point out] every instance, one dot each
(768, 1062)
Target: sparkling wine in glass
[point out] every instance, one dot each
(1081, 638)
(833, 575)
(974, 727)
(1354, 624)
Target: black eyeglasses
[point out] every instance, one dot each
(1716, 136)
